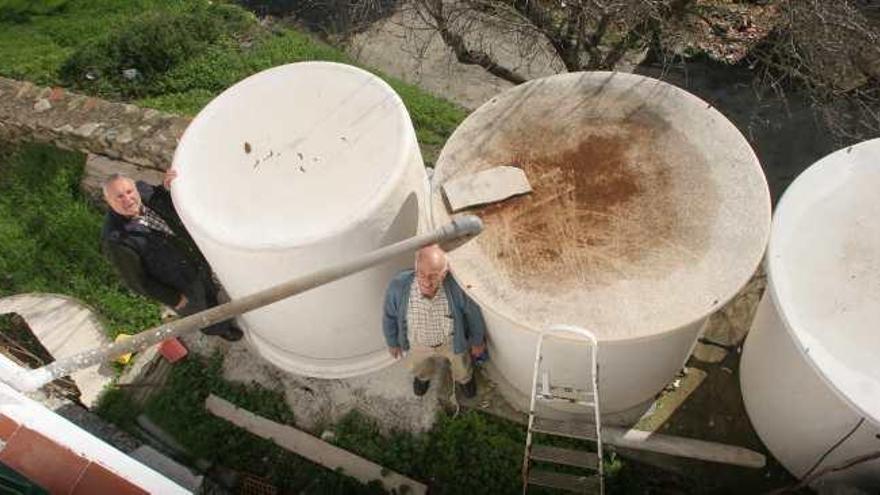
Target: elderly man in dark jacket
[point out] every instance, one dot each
(147, 243)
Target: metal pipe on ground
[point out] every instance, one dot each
(449, 236)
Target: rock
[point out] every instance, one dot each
(42, 105)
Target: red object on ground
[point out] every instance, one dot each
(172, 350)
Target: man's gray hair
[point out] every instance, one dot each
(111, 179)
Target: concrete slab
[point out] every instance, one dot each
(65, 326)
(385, 396)
(487, 186)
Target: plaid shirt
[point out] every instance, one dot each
(429, 321)
(152, 220)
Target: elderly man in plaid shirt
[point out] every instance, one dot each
(428, 315)
(148, 245)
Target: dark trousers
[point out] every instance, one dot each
(201, 295)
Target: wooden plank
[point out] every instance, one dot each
(569, 457)
(670, 401)
(562, 481)
(682, 447)
(572, 429)
(313, 449)
(645, 441)
(487, 186)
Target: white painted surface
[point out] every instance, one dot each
(649, 211)
(289, 170)
(65, 327)
(810, 368)
(33, 415)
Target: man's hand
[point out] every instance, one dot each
(170, 175)
(476, 350)
(396, 352)
(182, 303)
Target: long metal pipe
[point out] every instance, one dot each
(449, 236)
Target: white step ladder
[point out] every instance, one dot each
(591, 431)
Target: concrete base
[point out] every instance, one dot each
(386, 396)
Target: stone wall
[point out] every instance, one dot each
(140, 136)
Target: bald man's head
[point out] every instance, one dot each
(122, 195)
(431, 269)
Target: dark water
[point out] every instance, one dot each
(785, 134)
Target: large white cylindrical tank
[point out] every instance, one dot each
(290, 170)
(649, 211)
(810, 370)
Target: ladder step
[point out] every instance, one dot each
(577, 458)
(572, 429)
(556, 398)
(566, 394)
(562, 481)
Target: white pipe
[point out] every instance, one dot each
(450, 236)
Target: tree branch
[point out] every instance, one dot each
(464, 54)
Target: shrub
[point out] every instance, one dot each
(19, 11)
(151, 44)
(50, 237)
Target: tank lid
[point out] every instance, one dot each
(649, 209)
(824, 270)
(291, 155)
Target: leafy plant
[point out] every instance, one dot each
(131, 59)
(19, 11)
(50, 237)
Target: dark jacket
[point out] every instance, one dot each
(467, 319)
(154, 264)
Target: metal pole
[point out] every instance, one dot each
(450, 236)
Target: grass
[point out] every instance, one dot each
(50, 237)
(182, 58)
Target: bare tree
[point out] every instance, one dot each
(826, 49)
(583, 34)
(829, 49)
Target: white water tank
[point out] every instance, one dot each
(810, 370)
(290, 170)
(649, 212)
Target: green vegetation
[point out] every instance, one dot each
(472, 453)
(184, 54)
(152, 44)
(179, 409)
(49, 237)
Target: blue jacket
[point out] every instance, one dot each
(467, 320)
